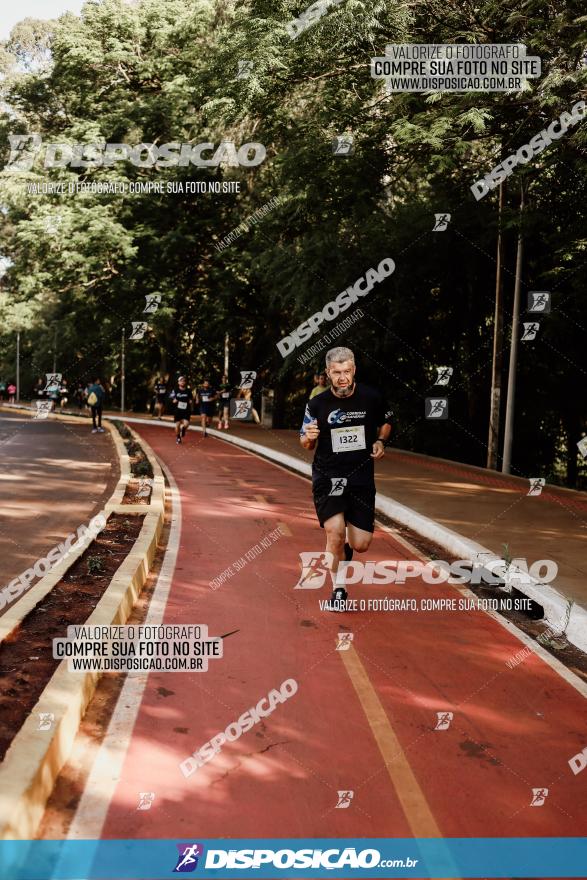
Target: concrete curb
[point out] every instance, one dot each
(35, 757)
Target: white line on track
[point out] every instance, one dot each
(104, 776)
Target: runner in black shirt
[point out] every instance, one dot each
(224, 394)
(348, 426)
(182, 399)
(159, 395)
(206, 395)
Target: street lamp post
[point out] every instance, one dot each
(122, 376)
(508, 437)
(17, 366)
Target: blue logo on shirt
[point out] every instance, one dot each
(337, 417)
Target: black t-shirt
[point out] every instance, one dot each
(182, 399)
(160, 389)
(348, 429)
(205, 395)
(225, 390)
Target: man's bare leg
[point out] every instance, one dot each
(358, 539)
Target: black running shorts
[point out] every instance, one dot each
(181, 415)
(358, 506)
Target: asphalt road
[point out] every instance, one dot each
(55, 476)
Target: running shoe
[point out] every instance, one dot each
(339, 594)
(348, 552)
(94, 430)
(100, 430)
(178, 439)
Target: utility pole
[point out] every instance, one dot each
(17, 366)
(55, 350)
(122, 376)
(509, 412)
(495, 402)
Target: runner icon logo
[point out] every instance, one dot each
(152, 302)
(315, 568)
(242, 409)
(539, 795)
(441, 222)
(530, 331)
(139, 328)
(53, 379)
(539, 301)
(444, 719)
(436, 408)
(46, 720)
(146, 799)
(43, 409)
(582, 446)
(247, 378)
(344, 800)
(343, 145)
(344, 641)
(338, 485)
(536, 485)
(444, 375)
(187, 861)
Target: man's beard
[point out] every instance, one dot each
(344, 392)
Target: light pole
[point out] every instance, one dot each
(122, 376)
(55, 350)
(508, 436)
(17, 366)
(226, 339)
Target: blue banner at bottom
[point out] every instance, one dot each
(368, 858)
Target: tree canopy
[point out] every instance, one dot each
(77, 266)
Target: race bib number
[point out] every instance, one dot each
(205, 398)
(182, 404)
(348, 439)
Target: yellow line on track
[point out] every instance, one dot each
(410, 795)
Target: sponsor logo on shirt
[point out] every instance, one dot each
(339, 417)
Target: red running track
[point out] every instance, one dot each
(513, 730)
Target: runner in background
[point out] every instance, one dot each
(319, 384)
(3, 388)
(64, 392)
(160, 391)
(11, 392)
(224, 403)
(348, 427)
(182, 398)
(95, 401)
(79, 395)
(54, 395)
(205, 397)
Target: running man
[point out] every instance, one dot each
(348, 426)
(224, 403)
(206, 395)
(160, 391)
(182, 398)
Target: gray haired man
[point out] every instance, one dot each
(348, 426)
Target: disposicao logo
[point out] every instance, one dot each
(187, 860)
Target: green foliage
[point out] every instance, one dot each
(159, 71)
